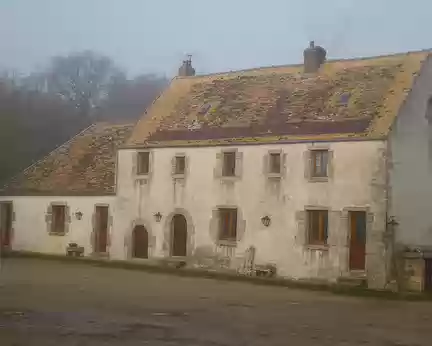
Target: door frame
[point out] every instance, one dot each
(94, 233)
(173, 237)
(128, 239)
(369, 220)
(133, 245)
(190, 236)
(11, 235)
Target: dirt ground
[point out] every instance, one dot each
(52, 303)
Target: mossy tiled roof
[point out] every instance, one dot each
(347, 99)
(83, 166)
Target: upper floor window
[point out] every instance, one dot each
(143, 163)
(229, 164)
(275, 163)
(319, 163)
(180, 165)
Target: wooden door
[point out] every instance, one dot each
(6, 214)
(101, 229)
(357, 251)
(428, 275)
(179, 235)
(139, 242)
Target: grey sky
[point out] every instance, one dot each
(154, 35)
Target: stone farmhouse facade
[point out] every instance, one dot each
(317, 171)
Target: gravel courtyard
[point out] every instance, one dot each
(52, 303)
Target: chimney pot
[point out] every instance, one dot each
(186, 68)
(314, 57)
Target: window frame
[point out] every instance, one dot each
(233, 155)
(323, 231)
(139, 161)
(271, 161)
(54, 215)
(324, 154)
(228, 235)
(176, 161)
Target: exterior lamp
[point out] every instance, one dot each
(78, 215)
(266, 220)
(158, 216)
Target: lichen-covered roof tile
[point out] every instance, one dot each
(346, 99)
(83, 166)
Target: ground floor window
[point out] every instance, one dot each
(58, 223)
(228, 224)
(317, 225)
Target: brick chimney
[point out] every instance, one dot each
(186, 68)
(314, 57)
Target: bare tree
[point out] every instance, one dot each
(82, 78)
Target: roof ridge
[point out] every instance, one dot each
(46, 156)
(301, 64)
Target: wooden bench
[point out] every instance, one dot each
(74, 250)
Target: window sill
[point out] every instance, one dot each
(57, 234)
(178, 176)
(318, 179)
(318, 247)
(274, 176)
(230, 178)
(231, 243)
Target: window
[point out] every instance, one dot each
(143, 164)
(180, 165)
(58, 223)
(317, 227)
(275, 163)
(319, 163)
(228, 224)
(229, 161)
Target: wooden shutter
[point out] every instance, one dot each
(239, 164)
(48, 218)
(330, 164)
(68, 219)
(307, 162)
(301, 236)
(150, 162)
(266, 163)
(218, 166)
(186, 171)
(283, 163)
(135, 163)
(173, 165)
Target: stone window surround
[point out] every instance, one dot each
(214, 225)
(238, 165)
(308, 162)
(48, 218)
(109, 230)
(267, 171)
(144, 177)
(173, 163)
(306, 226)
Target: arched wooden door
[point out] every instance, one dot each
(139, 242)
(178, 235)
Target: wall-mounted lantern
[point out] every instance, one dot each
(78, 215)
(266, 220)
(158, 216)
